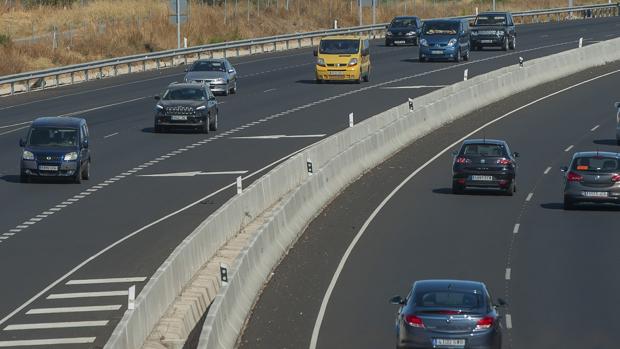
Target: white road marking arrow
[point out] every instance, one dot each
(195, 173)
(280, 136)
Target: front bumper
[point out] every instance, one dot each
(191, 121)
(218, 87)
(446, 52)
(487, 40)
(63, 168)
(338, 74)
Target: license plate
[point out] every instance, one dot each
(486, 41)
(48, 168)
(595, 194)
(481, 178)
(437, 52)
(399, 41)
(335, 72)
(178, 117)
(440, 342)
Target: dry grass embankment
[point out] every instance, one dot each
(111, 28)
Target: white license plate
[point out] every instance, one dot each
(336, 72)
(486, 41)
(48, 168)
(595, 194)
(399, 41)
(449, 342)
(481, 178)
(437, 52)
(178, 117)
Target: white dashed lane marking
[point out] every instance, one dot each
(106, 281)
(529, 197)
(69, 324)
(569, 148)
(547, 170)
(88, 294)
(110, 135)
(515, 230)
(508, 321)
(46, 342)
(507, 276)
(594, 128)
(83, 309)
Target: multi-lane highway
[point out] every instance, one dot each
(69, 251)
(556, 268)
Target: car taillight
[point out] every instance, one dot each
(573, 177)
(504, 162)
(485, 323)
(615, 178)
(462, 160)
(414, 321)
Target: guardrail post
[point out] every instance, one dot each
(144, 65)
(262, 48)
(185, 59)
(86, 74)
(157, 63)
(12, 88)
(287, 45)
(224, 53)
(275, 46)
(72, 78)
(100, 72)
(115, 70)
(57, 80)
(298, 43)
(237, 51)
(28, 85)
(128, 68)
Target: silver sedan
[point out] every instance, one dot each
(218, 73)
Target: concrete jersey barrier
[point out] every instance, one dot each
(343, 157)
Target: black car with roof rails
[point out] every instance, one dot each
(56, 147)
(494, 29)
(484, 164)
(403, 30)
(186, 105)
(448, 314)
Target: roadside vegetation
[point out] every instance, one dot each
(38, 34)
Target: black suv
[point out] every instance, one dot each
(403, 30)
(186, 105)
(56, 147)
(484, 164)
(494, 29)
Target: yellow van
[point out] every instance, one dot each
(343, 58)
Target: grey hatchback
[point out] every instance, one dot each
(592, 177)
(448, 314)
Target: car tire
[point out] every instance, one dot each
(205, 127)
(506, 44)
(569, 204)
(416, 42)
(513, 43)
(457, 59)
(77, 178)
(157, 129)
(227, 92)
(618, 141)
(233, 90)
(213, 123)
(361, 78)
(367, 76)
(387, 43)
(511, 189)
(457, 189)
(421, 59)
(86, 171)
(466, 57)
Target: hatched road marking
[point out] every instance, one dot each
(88, 294)
(105, 281)
(74, 309)
(56, 325)
(54, 341)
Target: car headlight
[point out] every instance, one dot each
(320, 62)
(27, 155)
(452, 42)
(72, 156)
(219, 81)
(159, 107)
(353, 62)
(388, 33)
(423, 42)
(202, 107)
(411, 33)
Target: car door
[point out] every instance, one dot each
(232, 72)
(211, 102)
(367, 58)
(464, 37)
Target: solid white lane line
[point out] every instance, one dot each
(53, 341)
(594, 128)
(195, 173)
(508, 321)
(14, 130)
(569, 148)
(279, 136)
(412, 87)
(110, 135)
(83, 309)
(507, 276)
(18, 124)
(547, 170)
(47, 325)
(87, 294)
(529, 197)
(515, 230)
(106, 281)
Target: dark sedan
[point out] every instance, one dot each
(186, 105)
(484, 164)
(448, 314)
(403, 30)
(592, 177)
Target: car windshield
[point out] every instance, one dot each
(449, 299)
(483, 150)
(339, 46)
(596, 164)
(53, 137)
(192, 94)
(403, 22)
(490, 20)
(441, 28)
(209, 66)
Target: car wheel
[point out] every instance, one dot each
(457, 189)
(387, 43)
(510, 190)
(213, 123)
(361, 77)
(227, 92)
(506, 45)
(618, 141)
(466, 57)
(457, 59)
(569, 204)
(157, 129)
(367, 76)
(205, 127)
(77, 178)
(513, 44)
(421, 59)
(86, 171)
(416, 42)
(234, 89)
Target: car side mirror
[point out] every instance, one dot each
(564, 168)
(22, 142)
(365, 52)
(315, 52)
(515, 154)
(85, 143)
(397, 300)
(157, 97)
(230, 71)
(501, 302)
(617, 105)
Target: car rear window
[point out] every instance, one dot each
(596, 164)
(483, 150)
(449, 299)
(209, 66)
(490, 20)
(441, 28)
(403, 22)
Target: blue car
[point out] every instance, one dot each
(56, 147)
(445, 39)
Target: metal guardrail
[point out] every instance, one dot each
(26, 82)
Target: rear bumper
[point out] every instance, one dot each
(423, 339)
(501, 180)
(438, 52)
(576, 194)
(64, 169)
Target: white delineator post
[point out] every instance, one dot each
(580, 42)
(465, 73)
(131, 298)
(351, 120)
(239, 185)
